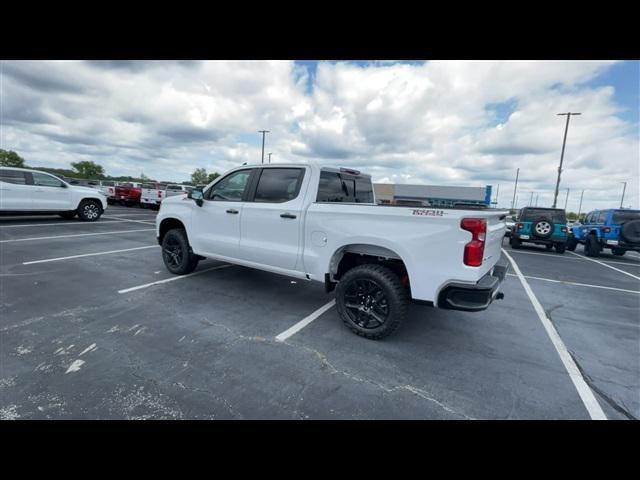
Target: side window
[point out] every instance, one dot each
(364, 190)
(231, 188)
(13, 176)
(601, 217)
(277, 185)
(43, 180)
(330, 188)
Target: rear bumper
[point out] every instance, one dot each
(475, 297)
(540, 241)
(621, 244)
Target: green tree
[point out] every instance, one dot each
(213, 176)
(9, 158)
(199, 176)
(87, 169)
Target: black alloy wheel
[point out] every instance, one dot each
(366, 303)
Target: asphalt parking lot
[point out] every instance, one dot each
(90, 329)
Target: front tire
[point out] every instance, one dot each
(571, 244)
(549, 247)
(89, 210)
(372, 301)
(176, 252)
(618, 252)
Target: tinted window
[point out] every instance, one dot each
(532, 214)
(149, 186)
(278, 184)
(621, 217)
(13, 176)
(174, 187)
(108, 184)
(43, 180)
(231, 188)
(335, 187)
(601, 217)
(330, 188)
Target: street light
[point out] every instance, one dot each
(623, 190)
(566, 200)
(263, 132)
(515, 188)
(580, 207)
(269, 156)
(564, 141)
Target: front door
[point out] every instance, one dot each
(216, 224)
(49, 193)
(271, 221)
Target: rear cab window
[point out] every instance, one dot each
(533, 214)
(344, 187)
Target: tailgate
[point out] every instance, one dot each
(495, 234)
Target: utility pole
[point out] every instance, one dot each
(263, 132)
(497, 194)
(531, 200)
(623, 190)
(566, 200)
(269, 156)
(515, 188)
(580, 207)
(536, 199)
(564, 142)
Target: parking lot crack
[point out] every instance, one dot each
(327, 365)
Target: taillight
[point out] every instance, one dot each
(159, 193)
(606, 229)
(563, 229)
(520, 225)
(474, 250)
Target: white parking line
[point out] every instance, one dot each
(637, 292)
(586, 395)
(172, 279)
(605, 265)
(150, 222)
(64, 223)
(304, 322)
(88, 255)
(77, 235)
(562, 257)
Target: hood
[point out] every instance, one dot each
(88, 190)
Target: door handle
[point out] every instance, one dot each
(287, 215)
(231, 210)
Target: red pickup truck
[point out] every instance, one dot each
(128, 193)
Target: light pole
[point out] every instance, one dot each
(566, 200)
(623, 190)
(263, 132)
(564, 141)
(269, 156)
(515, 188)
(531, 200)
(580, 207)
(536, 199)
(497, 194)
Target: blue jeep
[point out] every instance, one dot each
(614, 228)
(542, 226)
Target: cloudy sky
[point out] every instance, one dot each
(436, 122)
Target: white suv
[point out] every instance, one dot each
(30, 192)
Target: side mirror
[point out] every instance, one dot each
(197, 196)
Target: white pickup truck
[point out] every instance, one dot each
(322, 224)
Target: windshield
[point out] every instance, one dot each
(625, 216)
(531, 214)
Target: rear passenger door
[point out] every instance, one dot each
(15, 192)
(271, 222)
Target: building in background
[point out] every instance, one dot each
(430, 195)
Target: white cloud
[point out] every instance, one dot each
(462, 122)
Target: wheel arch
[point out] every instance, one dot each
(350, 255)
(170, 223)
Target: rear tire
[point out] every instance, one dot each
(549, 247)
(560, 247)
(515, 243)
(89, 210)
(143, 205)
(177, 254)
(571, 244)
(591, 246)
(618, 252)
(378, 290)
